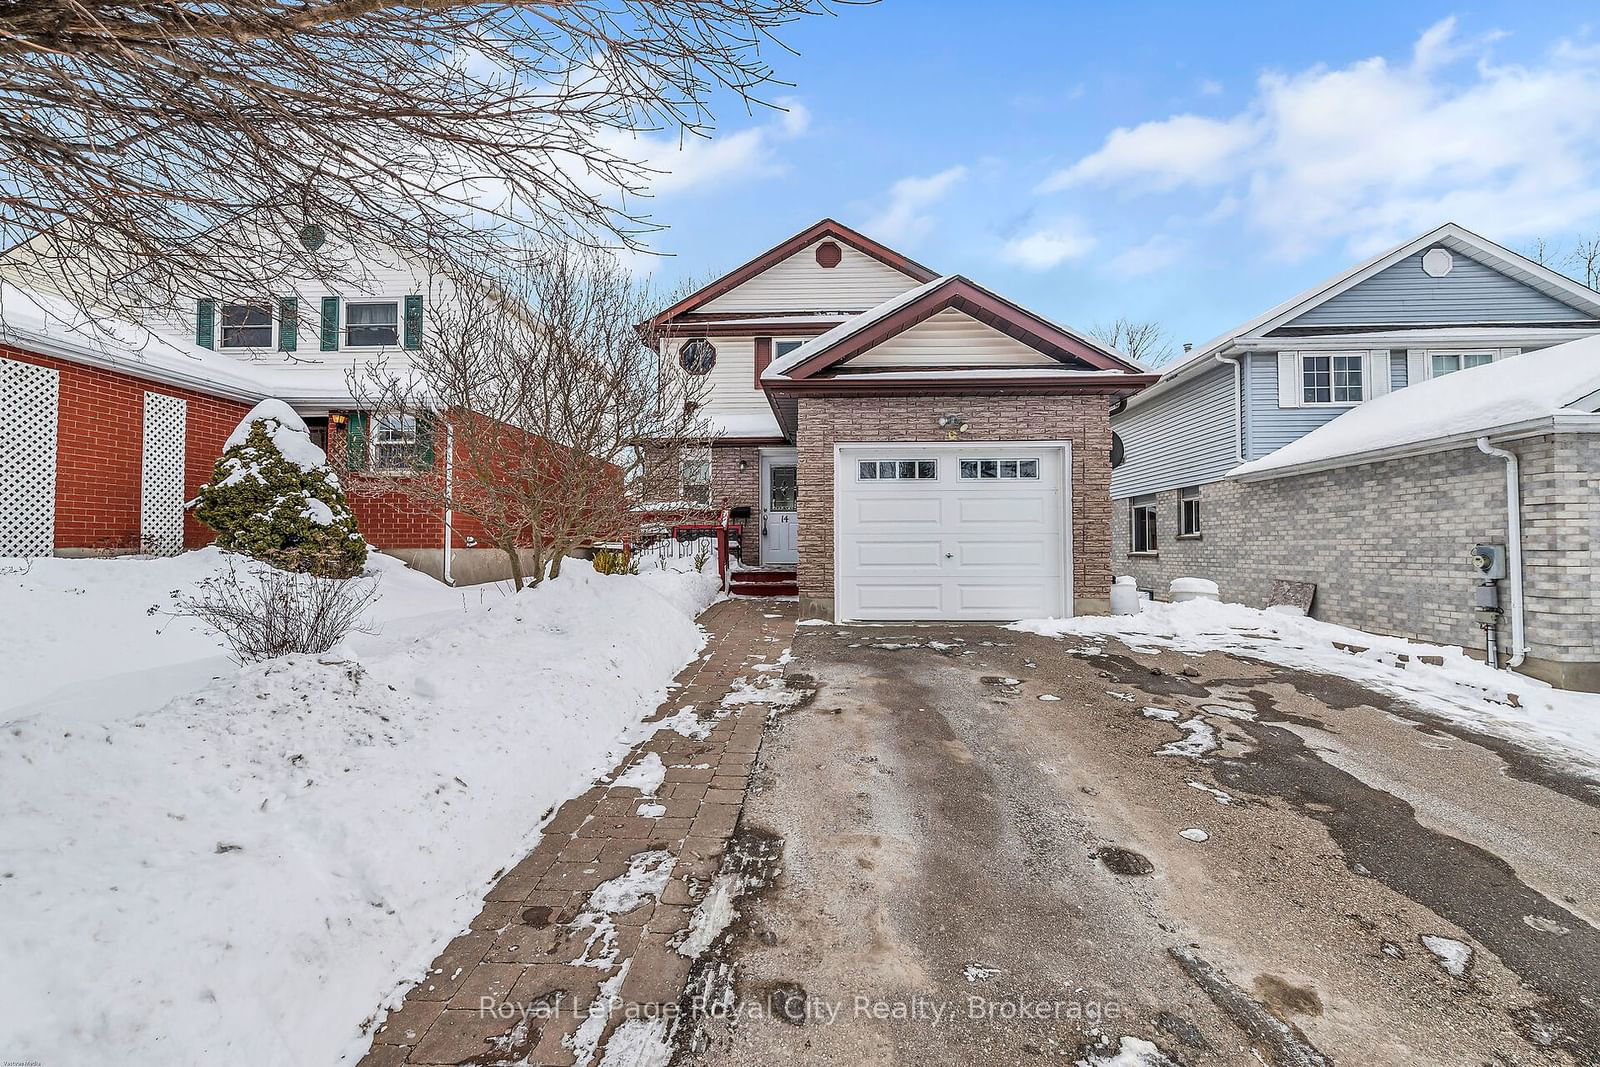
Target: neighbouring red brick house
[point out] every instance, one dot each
(105, 435)
(911, 445)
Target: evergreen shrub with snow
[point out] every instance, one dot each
(274, 498)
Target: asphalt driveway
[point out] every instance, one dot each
(991, 847)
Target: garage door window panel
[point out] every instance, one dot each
(903, 470)
(977, 468)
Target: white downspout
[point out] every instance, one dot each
(1519, 644)
(449, 493)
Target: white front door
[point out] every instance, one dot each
(779, 504)
(972, 531)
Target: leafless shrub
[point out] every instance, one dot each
(265, 613)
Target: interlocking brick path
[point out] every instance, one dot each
(525, 949)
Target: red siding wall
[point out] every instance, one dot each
(99, 449)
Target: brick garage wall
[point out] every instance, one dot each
(100, 448)
(1388, 543)
(1082, 420)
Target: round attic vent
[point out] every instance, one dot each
(828, 254)
(1436, 263)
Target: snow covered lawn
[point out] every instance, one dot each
(201, 863)
(1553, 722)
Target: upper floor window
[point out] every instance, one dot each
(1442, 363)
(1334, 378)
(372, 323)
(246, 326)
(783, 348)
(697, 356)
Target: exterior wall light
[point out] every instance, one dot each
(952, 425)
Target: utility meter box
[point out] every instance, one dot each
(1489, 561)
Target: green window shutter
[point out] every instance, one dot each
(330, 324)
(355, 442)
(288, 323)
(205, 323)
(413, 322)
(424, 451)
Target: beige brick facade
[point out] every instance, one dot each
(1388, 546)
(1082, 420)
(741, 488)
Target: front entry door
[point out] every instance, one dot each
(779, 504)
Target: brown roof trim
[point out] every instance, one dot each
(746, 329)
(744, 442)
(778, 252)
(1108, 385)
(988, 308)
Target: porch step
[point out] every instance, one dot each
(764, 583)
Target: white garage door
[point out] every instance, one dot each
(969, 532)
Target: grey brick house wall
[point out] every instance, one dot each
(1388, 546)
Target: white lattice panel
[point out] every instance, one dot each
(166, 423)
(29, 399)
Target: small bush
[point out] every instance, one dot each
(267, 613)
(273, 497)
(615, 561)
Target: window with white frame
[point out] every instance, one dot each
(1189, 511)
(246, 326)
(783, 348)
(695, 476)
(905, 470)
(1142, 524)
(1442, 363)
(372, 323)
(985, 469)
(394, 442)
(1333, 378)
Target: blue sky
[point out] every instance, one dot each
(1193, 164)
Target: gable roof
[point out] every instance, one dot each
(1450, 235)
(826, 228)
(1557, 382)
(893, 317)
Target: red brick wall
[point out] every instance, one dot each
(99, 450)
(1083, 420)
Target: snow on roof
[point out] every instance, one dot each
(779, 368)
(1480, 400)
(743, 424)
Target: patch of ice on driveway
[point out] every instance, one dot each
(980, 972)
(1216, 794)
(1131, 1052)
(1194, 833)
(1164, 714)
(646, 775)
(1201, 740)
(687, 724)
(1545, 926)
(1120, 696)
(813, 622)
(776, 694)
(583, 1043)
(640, 1042)
(651, 811)
(713, 914)
(1228, 712)
(1454, 956)
(1048, 696)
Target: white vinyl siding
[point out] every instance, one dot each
(1187, 437)
(731, 384)
(951, 338)
(800, 283)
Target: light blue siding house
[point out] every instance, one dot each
(1446, 300)
(1385, 540)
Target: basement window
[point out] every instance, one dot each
(1142, 525)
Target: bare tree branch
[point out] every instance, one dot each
(152, 151)
(1146, 342)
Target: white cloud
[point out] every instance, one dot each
(1161, 155)
(1210, 87)
(699, 163)
(1155, 254)
(909, 198)
(1046, 248)
(1374, 152)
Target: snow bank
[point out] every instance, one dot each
(247, 870)
(1552, 722)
